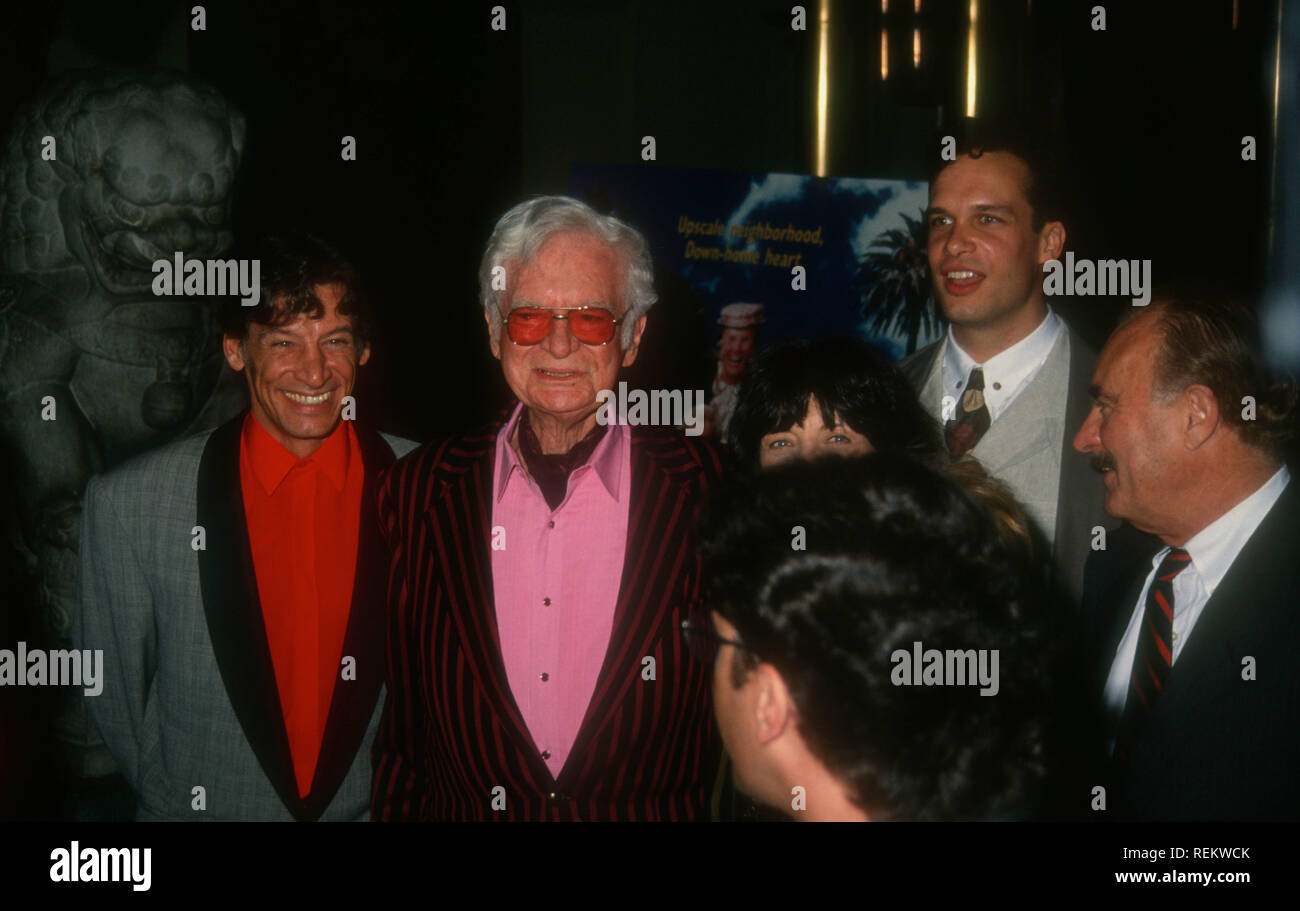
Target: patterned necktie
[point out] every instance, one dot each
(1154, 656)
(972, 419)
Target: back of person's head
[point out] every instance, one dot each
(893, 554)
(844, 378)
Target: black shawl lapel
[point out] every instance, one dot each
(234, 614)
(354, 700)
(234, 610)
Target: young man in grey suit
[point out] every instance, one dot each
(235, 579)
(1010, 379)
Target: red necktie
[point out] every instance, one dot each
(1154, 658)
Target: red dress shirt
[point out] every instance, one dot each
(303, 521)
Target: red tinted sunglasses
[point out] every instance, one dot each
(589, 325)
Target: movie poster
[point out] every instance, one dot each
(774, 256)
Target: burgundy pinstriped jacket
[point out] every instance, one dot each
(452, 742)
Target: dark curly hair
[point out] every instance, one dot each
(845, 377)
(974, 137)
(293, 262)
(895, 554)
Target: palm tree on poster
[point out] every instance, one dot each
(894, 275)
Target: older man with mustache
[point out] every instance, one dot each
(542, 566)
(1197, 664)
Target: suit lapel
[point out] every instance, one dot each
(234, 610)
(928, 380)
(354, 701)
(1224, 630)
(1081, 493)
(657, 522)
(1118, 596)
(238, 632)
(456, 529)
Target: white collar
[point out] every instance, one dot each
(1007, 372)
(1214, 548)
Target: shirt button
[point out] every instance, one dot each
(546, 754)
(545, 677)
(550, 524)
(546, 601)
(997, 385)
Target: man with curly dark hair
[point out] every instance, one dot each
(825, 579)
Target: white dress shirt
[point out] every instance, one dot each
(1007, 372)
(1212, 551)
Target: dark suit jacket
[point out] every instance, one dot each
(190, 696)
(452, 732)
(1080, 494)
(1216, 747)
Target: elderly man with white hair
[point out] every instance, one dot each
(542, 566)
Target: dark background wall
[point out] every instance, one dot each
(455, 122)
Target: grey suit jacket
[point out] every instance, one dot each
(189, 697)
(1080, 492)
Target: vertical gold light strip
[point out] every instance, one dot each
(1272, 177)
(970, 59)
(916, 47)
(1234, 14)
(823, 84)
(884, 55)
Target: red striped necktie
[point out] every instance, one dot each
(1155, 655)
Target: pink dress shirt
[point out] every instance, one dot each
(556, 583)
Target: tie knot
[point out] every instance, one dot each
(1174, 562)
(976, 380)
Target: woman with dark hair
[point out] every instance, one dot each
(805, 399)
(835, 396)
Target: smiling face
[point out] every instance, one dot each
(1132, 436)
(735, 351)
(812, 439)
(299, 372)
(560, 376)
(985, 256)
